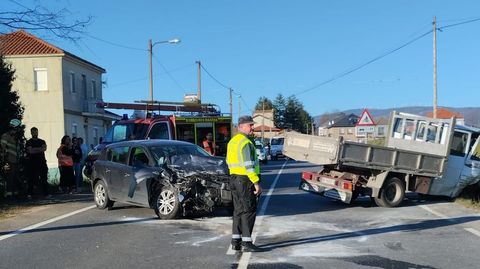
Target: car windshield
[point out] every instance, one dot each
(125, 131)
(277, 141)
(259, 146)
(162, 154)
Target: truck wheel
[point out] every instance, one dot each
(100, 195)
(392, 193)
(167, 204)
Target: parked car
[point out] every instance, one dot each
(172, 177)
(261, 153)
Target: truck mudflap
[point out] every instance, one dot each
(327, 189)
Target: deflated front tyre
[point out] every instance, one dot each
(167, 204)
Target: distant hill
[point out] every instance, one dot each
(471, 114)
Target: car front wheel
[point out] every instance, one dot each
(167, 204)
(100, 194)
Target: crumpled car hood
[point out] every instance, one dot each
(190, 164)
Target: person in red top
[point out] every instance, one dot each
(209, 145)
(65, 164)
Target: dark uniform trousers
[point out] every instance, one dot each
(38, 174)
(244, 206)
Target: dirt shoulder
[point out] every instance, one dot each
(10, 208)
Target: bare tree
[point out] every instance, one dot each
(54, 22)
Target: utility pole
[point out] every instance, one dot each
(199, 89)
(231, 109)
(150, 46)
(434, 67)
(263, 119)
(239, 108)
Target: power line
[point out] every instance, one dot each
(353, 69)
(145, 78)
(168, 73)
(211, 76)
(246, 105)
(114, 44)
(457, 24)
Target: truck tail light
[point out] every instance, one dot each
(347, 185)
(307, 175)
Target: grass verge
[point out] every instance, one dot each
(8, 211)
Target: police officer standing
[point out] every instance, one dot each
(244, 169)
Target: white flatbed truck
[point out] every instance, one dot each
(423, 155)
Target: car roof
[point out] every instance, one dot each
(149, 143)
(468, 128)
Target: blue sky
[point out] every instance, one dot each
(263, 48)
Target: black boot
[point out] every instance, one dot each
(250, 247)
(236, 244)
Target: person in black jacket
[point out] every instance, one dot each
(37, 164)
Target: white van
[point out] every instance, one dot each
(276, 147)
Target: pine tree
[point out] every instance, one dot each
(279, 106)
(264, 103)
(10, 107)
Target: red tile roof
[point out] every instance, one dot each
(443, 113)
(23, 43)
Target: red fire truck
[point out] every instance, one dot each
(186, 122)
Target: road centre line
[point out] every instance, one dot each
(245, 258)
(43, 223)
(438, 214)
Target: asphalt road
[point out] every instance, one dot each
(297, 230)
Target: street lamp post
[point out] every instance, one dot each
(150, 47)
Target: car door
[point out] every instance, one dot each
(119, 169)
(448, 184)
(142, 170)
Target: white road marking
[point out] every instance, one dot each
(473, 231)
(245, 258)
(198, 243)
(43, 223)
(438, 214)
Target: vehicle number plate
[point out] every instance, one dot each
(328, 181)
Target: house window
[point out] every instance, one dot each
(93, 94)
(72, 82)
(84, 86)
(342, 130)
(349, 131)
(74, 130)
(381, 130)
(40, 77)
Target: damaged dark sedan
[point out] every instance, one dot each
(174, 178)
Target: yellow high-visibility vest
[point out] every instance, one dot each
(242, 157)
